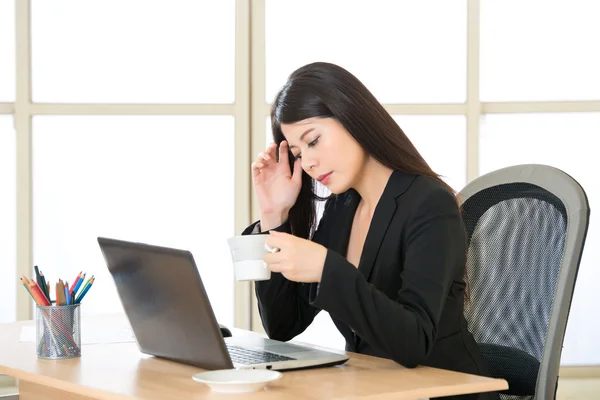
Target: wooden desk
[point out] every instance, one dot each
(119, 371)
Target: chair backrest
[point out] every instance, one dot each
(526, 227)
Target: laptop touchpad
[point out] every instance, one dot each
(286, 349)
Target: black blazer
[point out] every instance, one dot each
(405, 299)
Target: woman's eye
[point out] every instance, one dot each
(311, 144)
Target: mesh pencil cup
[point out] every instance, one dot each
(58, 331)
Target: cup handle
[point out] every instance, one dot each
(271, 249)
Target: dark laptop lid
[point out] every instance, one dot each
(166, 303)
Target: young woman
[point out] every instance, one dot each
(388, 256)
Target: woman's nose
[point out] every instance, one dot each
(308, 164)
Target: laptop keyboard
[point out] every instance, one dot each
(242, 355)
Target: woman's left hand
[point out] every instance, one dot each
(298, 259)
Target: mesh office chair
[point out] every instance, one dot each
(526, 228)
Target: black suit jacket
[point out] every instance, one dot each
(405, 299)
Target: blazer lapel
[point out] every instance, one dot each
(382, 217)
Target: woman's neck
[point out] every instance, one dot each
(371, 183)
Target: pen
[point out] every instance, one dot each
(75, 282)
(57, 288)
(29, 286)
(87, 283)
(45, 287)
(85, 290)
(28, 290)
(40, 285)
(60, 293)
(79, 282)
(48, 290)
(38, 280)
(67, 293)
(38, 295)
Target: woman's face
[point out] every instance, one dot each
(329, 153)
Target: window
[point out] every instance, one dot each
(562, 141)
(539, 50)
(179, 51)
(195, 78)
(7, 50)
(403, 52)
(152, 179)
(150, 90)
(8, 219)
(442, 141)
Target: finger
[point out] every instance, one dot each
(271, 150)
(283, 153)
(273, 258)
(255, 169)
(268, 154)
(262, 162)
(277, 267)
(297, 174)
(264, 156)
(257, 166)
(271, 249)
(274, 242)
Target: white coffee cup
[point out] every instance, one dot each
(247, 254)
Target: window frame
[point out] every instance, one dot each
(249, 110)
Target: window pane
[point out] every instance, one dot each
(148, 179)
(547, 53)
(7, 50)
(401, 50)
(323, 332)
(442, 141)
(134, 51)
(564, 141)
(8, 264)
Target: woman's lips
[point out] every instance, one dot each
(324, 178)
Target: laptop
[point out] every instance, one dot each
(171, 316)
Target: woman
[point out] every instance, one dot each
(388, 256)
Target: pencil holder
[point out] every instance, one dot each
(58, 331)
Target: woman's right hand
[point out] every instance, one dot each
(276, 187)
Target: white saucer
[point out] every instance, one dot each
(237, 380)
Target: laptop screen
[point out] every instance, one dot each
(166, 303)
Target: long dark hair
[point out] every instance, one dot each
(329, 91)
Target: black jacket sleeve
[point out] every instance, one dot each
(403, 328)
(283, 305)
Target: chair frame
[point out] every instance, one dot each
(572, 195)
